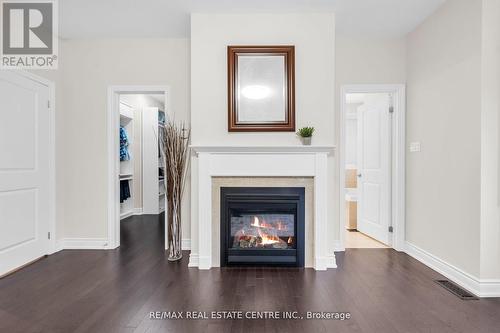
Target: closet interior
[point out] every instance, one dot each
(141, 175)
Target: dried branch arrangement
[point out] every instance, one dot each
(174, 150)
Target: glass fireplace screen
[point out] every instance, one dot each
(262, 231)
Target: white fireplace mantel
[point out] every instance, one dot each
(262, 161)
(263, 149)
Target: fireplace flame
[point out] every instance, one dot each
(265, 235)
(260, 224)
(268, 239)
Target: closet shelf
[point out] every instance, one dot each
(126, 176)
(124, 119)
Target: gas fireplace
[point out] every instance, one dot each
(262, 226)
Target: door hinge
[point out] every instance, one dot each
(48, 104)
(391, 229)
(48, 235)
(391, 109)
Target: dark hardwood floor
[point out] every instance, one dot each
(115, 291)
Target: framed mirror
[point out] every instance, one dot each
(261, 88)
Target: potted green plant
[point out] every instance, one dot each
(305, 134)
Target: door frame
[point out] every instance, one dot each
(113, 125)
(397, 177)
(52, 152)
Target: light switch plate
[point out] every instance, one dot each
(414, 147)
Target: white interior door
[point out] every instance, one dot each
(24, 170)
(374, 167)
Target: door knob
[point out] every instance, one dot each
(359, 175)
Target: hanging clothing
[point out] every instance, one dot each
(124, 190)
(124, 142)
(161, 117)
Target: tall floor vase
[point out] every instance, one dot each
(174, 222)
(174, 147)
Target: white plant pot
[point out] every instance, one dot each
(306, 141)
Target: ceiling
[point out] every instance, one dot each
(170, 18)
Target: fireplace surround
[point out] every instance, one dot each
(262, 226)
(247, 163)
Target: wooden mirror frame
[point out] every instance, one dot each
(288, 51)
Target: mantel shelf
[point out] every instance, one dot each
(297, 149)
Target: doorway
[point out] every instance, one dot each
(371, 156)
(135, 175)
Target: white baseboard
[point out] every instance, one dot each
(490, 287)
(194, 260)
(479, 287)
(320, 263)
(59, 246)
(82, 244)
(96, 244)
(331, 261)
(204, 262)
(133, 212)
(337, 246)
(186, 244)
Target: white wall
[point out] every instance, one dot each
(369, 60)
(313, 36)
(365, 61)
(87, 68)
(490, 145)
(444, 114)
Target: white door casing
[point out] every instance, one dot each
(374, 145)
(26, 196)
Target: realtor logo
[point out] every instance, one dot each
(29, 38)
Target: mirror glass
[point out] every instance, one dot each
(261, 89)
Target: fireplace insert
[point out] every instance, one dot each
(262, 226)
